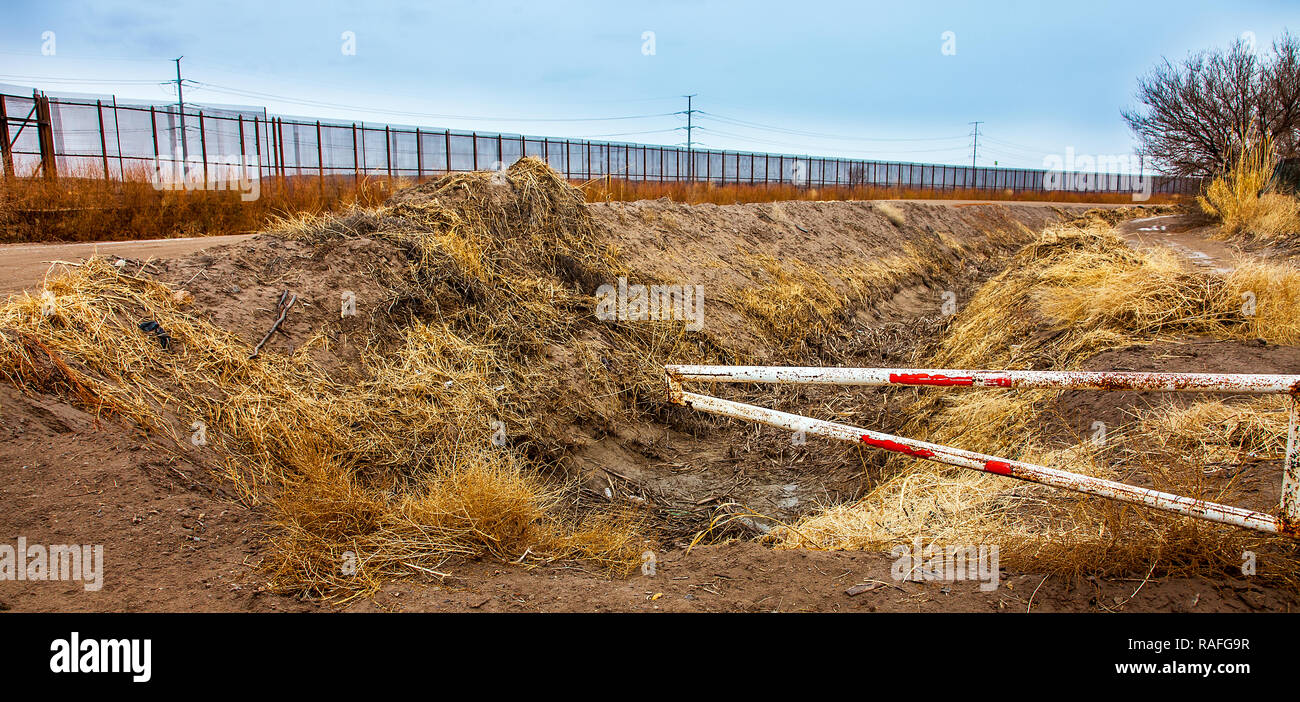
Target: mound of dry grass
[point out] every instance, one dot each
(1062, 299)
(441, 450)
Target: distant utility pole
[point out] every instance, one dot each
(180, 100)
(976, 143)
(690, 159)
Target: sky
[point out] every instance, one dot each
(880, 80)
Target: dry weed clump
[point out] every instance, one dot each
(1075, 292)
(1237, 199)
(392, 475)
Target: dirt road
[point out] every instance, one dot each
(1188, 236)
(23, 266)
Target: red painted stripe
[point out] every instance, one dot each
(927, 379)
(999, 467)
(895, 446)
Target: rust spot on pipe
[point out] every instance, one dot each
(1287, 527)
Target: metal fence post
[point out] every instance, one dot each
(257, 146)
(6, 153)
(446, 135)
(279, 137)
(243, 152)
(1290, 501)
(272, 143)
(419, 155)
(103, 143)
(388, 152)
(203, 146)
(117, 136)
(153, 129)
(356, 160)
(320, 156)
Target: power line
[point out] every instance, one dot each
(1014, 145)
(51, 79)
(976, 143)
(320, 103)
(806, 148)
(690, 112)
(821, 135)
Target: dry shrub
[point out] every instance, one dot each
(1062, 299)
(1237, 199)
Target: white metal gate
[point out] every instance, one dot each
(1286, 523)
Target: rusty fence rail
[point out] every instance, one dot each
(106, 138)
(1286, 523)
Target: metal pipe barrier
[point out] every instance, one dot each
(1287, 523)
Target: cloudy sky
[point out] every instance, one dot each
(853, 79)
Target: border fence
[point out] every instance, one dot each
(54, 136)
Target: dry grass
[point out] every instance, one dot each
(1237, 199)
(797, 303)
(397, 473)
(893, 214)
(797, 306)
(1062, 299)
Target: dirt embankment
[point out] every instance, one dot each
(882, 272)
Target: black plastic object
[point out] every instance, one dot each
(151, 327)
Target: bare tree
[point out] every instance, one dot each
(1197, 115)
